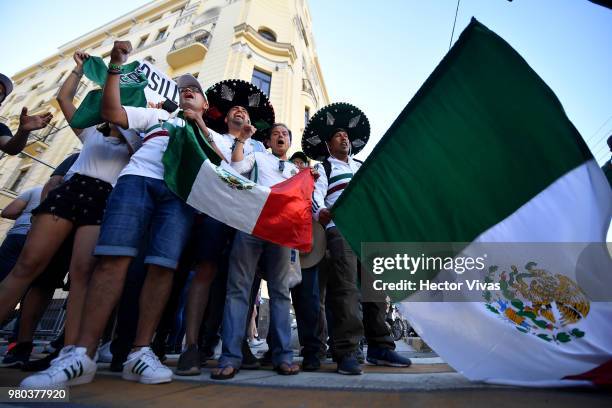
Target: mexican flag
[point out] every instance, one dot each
(132, 90)
(484, 153)
(281, 214)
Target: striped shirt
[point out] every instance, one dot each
(147, 161)
(326, 190)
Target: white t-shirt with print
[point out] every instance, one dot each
(102, 157)
(225, 142)
(147, 161)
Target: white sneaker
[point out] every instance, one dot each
(144, 366)
(72, 367)
(104, 354)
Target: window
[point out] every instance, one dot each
(61, 76)
(161, 34)
(35, 86)
(19, 180)
(262, 80)
(306, 115)
(196, 74)
(267, 34)
(142, 41)
(154, 19)
(123, 33)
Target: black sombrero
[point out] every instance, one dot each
(327, 120)
(226, 94)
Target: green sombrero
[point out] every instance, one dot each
(326, 121)
(226, 94)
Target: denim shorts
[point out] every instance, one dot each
(138, 205)
(212, 238)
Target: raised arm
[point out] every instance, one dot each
(14, 209)
(112, 111)
(15, 144)
(65, 97)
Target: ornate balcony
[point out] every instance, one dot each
(189, 48)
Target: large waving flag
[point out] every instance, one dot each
(279, 214)
(484, 153)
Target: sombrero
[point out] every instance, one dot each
(319, 245)
(226, 94)
(330, 118)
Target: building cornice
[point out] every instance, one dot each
(248, 33)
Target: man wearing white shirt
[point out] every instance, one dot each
(333, 134)
(268, 169)
(233, 102)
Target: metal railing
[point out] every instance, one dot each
(198, 36)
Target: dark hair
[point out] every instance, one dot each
(336, 131)
(271, 128)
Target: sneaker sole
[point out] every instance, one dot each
(142, 380)
(387, 363)
(349, 372)
(190, 371)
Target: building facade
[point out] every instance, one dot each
(267, 42)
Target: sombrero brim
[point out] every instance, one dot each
(329, 118)
(226, 94)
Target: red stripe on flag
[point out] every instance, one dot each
(286, 218)
(601, 375)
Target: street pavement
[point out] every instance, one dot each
(428, 382)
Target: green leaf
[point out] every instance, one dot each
(521, 329)
(518, 304)
(544, 337)
(492, 309)
(577, 333)
(530, 315)
(563, 337)
(541, 323)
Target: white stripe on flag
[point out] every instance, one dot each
(575, 208)
(213, 195)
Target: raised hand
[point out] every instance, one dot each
(120, 52)
(80, 57)
(247, 131)
(34, 122)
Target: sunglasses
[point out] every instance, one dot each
(190, 88)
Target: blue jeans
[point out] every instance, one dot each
(306, 303)
(140, 204)
(246, 251)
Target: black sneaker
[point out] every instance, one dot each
(18, 356)
(359, 354)
(386, 357)
(189, 362)
(249, 361)
(348, 365)
(311, 362)
(41, 364)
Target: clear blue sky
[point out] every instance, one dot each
(376, 54)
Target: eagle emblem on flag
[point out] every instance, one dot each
(538, 302)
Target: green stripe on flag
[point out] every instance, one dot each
(186, 152)
(482, 136)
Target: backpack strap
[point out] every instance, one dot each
(327, 167)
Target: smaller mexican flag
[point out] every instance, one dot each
(280, 214)
(133, 83)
